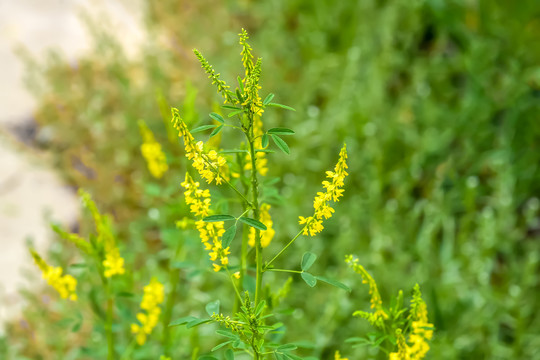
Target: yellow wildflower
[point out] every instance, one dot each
(65, 285)
(375, 318)
(417, 345)
(261, 161)
(210, 232)
(210, 166)
(337, 356)
(222, 87)
(153, 296)
(266, 235)
(152, 153)
(113, 263)
(333, 192)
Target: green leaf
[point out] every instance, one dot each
(216, 131)
(78, 266)
(228, 236)
(281, 106)
(207, 357)
(240, 83)
(235, 113)
(197, 323)
(309, 279)
(307, 260)
(182, 320)
(217, 117)
(264, 140)
(212, 308)
(264, 151)
(228, 334)
(334, 283)
(202, 128)
(229, 354)
(292, 356)
(219, 346)
(287, 347)
(77, 326)
(268, 98)
(230, 107)
(260, 308)
(281, 131)
(216, 218)
(281, 144)
(253, 223)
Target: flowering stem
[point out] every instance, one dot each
(234, 284)
(255, 207)
(285, 248)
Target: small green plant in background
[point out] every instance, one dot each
(237, 247)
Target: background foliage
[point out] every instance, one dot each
(438, 103)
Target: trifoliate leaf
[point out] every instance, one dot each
(264, 140)
(281, 131)
(281, 144)
(307, 260)
(182, 320)
(216, 131)
(217, 117)
(253, 223)
(202, 128)
(228, 236)
(281, 106)
(212, 308)
(229, 354)
(334, 283)
(309, 279)
(268, 98)
(216, 218)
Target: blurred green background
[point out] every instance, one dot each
(438, 103)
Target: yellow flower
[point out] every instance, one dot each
(375, 318)
(211, 166)
(266, 235)
(261, 161)
(113, 263)
(337, 356)
(65, 285)
(222, 87)
(333, 192)
(153, 296)
(210, 232)
(152, 153)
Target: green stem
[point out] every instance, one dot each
(285, 270)
(285, 248)
(234, 285)
(108, 325)
(174, 278)
(256, 214)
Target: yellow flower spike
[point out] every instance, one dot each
(337, 356)
(152, 152)
(333, 187)
(377, 317)
(210, 232)
(66, 285)
(222, 87)
(153, 296)
(266, 235)
(211, 166)
(113, 263)
(261, 161)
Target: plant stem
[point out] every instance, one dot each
(108, 325)
(256, 215)
(174, 278)
(285, 270)
(285, 248)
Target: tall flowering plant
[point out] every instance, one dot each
(235, 242)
